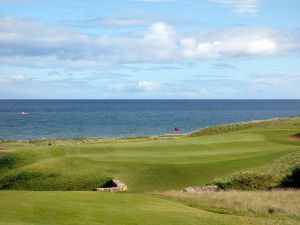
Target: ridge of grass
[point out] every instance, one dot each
(232, 127)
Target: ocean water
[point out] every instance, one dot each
(120, 118)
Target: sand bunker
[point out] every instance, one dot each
(294, 137)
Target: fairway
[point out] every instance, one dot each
(28, 208)
(146, 165)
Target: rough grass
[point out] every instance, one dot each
(2, 153)
(281, 203)
(232, 127)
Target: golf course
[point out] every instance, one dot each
(51, 181)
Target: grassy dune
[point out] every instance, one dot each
(146, 165)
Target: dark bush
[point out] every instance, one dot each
(292, 180)
(7, 161)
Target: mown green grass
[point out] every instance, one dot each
(81, 208)
(146, 165)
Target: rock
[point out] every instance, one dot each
(207, 188)
(189, 189)
(112, 186)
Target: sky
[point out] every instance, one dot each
(150, 49)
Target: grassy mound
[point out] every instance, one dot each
(53, 174)
(271, 176)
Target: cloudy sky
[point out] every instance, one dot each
(157, 49)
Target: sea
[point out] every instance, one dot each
(124, 118)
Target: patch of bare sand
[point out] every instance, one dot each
(294, 137)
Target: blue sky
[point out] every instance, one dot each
(150, 49)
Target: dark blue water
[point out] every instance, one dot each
(116, 118)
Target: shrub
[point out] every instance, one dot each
(8, 161)
(18, 179)
(246, 181)
(292, 180)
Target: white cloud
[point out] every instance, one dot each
(262, 46)
(147, 86)
(33, 39)
(241, 6)
(25, 43)
(159, 43)
(233, 43)
(20, 77)
(119, 21)
(249, 7)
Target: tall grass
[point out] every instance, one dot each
(277, 202)
(232, 127)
